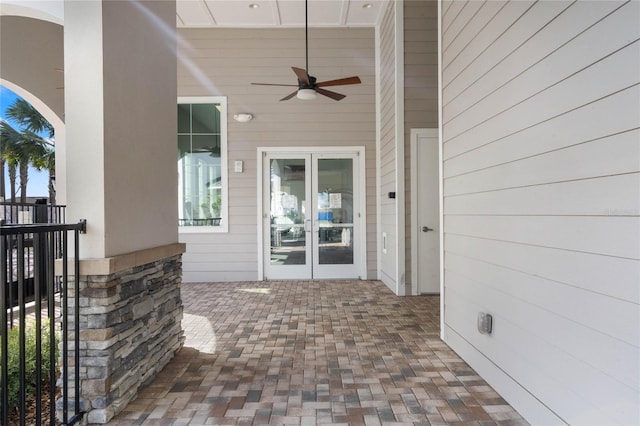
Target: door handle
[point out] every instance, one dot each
(426, 229)
(307, 225)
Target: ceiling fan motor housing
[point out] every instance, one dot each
(311, 85)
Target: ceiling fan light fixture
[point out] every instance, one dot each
(306, 94)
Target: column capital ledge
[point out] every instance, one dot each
(123, 262)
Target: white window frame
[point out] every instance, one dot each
(224, 208)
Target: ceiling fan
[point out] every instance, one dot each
(307, 85)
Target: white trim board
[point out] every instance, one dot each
(400, 190)
(378, 143)
(441, 173)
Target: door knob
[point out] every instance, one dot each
(426, 229)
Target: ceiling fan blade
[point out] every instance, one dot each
(274, 84)
(333, 95)
(286, 98)
(302, 75)
(340, 82)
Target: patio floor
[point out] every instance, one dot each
(314, 352)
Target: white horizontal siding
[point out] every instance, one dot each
(602, 196)
(499, 379)
(522, 344)
(569, 43)
(579, 126)
(605, 235)
(610, 156)
(485, 13)
(482, 39)
(225, 62)
(553, 102)
(582, 271)
(541, 128)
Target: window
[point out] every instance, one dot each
(202, 164)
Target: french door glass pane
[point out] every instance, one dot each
(335, 211)
(288, 236)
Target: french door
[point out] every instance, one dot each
(311, 215)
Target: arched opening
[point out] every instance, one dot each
(31, 66)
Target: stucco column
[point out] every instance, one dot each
(120, 113)
(121, 176)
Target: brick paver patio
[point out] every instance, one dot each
(314, 352)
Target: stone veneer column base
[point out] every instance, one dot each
(130, 325)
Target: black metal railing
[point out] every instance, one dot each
(27, 213)
(39, 340)
(38, 212)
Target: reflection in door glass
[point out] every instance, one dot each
(335, 211)
(288, 245)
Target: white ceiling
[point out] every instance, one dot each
(234, 13)
(277, 13)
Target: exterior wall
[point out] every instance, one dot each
(224, 62)
(420, 90)
(388, 145)
(542, 190)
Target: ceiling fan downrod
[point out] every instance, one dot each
(306, 33)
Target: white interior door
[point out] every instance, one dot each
(311, 218)
(426, 211)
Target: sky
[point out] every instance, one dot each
(38, 181)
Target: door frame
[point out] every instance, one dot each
(415, 226)
(262, 152)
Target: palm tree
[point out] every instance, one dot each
(23, 113)
(10, 142)
(29, 147)
(5, 143)
(46, 159)
(12, 165)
